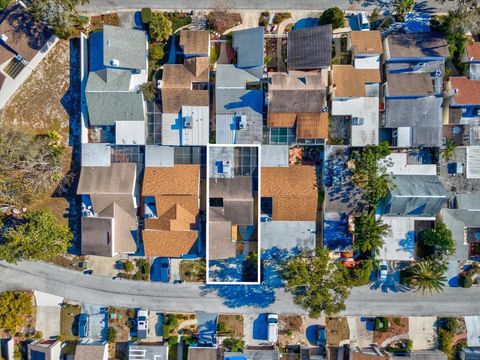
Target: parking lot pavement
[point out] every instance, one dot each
(421, 330)
(48, 314)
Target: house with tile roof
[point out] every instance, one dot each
(464, 114)
(471, 57)
(23, 45)
(288, 204)
(239, 95)
(355, 102)
(91, 351)
(170, 197)
(118, 65)
(297, 108)
(309, 48)
(109, 220)
(44, 350)
(367, 49)
(185, 92)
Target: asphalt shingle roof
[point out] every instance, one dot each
(128, 46)
(309, 48)
(248, 44)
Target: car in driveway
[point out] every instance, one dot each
(383, 271)
(272, 320)
(164, 269)
(83, 325)
(322, 337)
(142, 323)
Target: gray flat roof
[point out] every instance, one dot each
(274, 155)
(96, 154)
(147, 352)
(156, 155)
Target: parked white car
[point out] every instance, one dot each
(383, 271)
(142, 323)
(272, 328)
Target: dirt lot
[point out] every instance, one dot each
(119, 350)
(232, 323)
(337, 330)
(67, 318)
(44, 103)
(291, 330)
(397, 326)
(192, 270)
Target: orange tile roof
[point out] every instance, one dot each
(293, 190)
(473, 51)
(168, 243)
(350, 82)
(176, 180)
(468, 91)
(367, 42)
(281, 119)
(176, 191)
(312, 126)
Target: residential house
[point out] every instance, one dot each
(422, 355)
(118, 66)
(367, 49)
(288, 206)
(147, 351)
(109, 222)
(399, 242)
(472, 58)
(464, 223)
(309, 49)
(414, 67)
(185, 92)
(261, 353)
(170, 197)
(203, 353)
(238, 90)
(469, 353)
(297, 110)
(23, 44)
(44, 350)
(355, 104)
(464, 116)
(91, 351)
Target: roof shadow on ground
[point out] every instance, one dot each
(262, 295)
(260, 326)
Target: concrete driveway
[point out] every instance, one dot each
(421, 330)
(48, 314)
(98, 322)
(359, 334)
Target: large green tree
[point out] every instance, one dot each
(428, 276)
(58, 15)
(234, 344)
(439, 238)
(39, 237)
(317, 282)
(370, 172)
(15, 307)
(333, 16)
(160, 27)
(369, 233)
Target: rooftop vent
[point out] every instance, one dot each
(115, 62)
(187, 122)
(4, 38)
(242, 122)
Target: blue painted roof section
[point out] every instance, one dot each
(248, 44)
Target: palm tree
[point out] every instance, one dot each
(448, 150)
(369, 233)
(428, 276)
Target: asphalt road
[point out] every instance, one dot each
(191, 297)
(99, 6)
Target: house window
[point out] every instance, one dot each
(266, 206)
(282, 135)
(203, 85)
(216, 202)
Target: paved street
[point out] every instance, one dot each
(228, 299)
(97, 6)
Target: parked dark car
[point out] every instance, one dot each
(321, 337)
(83, 325)
(164, 269)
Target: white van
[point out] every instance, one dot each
(142, 323)
(272, 328)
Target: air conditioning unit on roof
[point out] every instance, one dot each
(187, 122)
(242, 122)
